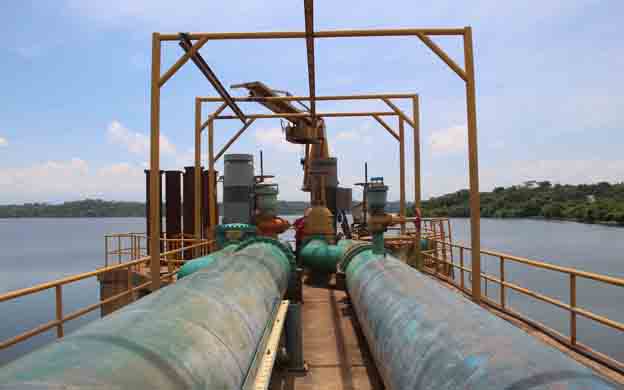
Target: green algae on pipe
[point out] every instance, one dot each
(202, 332)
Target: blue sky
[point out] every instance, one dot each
(74, 112)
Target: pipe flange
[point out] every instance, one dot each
(285, 248)
(351, 253)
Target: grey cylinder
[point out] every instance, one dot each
(238, 182)
(200, 333)
(424, 336)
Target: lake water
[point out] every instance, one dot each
(40, 250)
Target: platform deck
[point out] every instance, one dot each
(335, 349)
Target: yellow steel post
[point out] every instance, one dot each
(106, 250)
(417, 187)
(59, 310)
(212, 222)
(502, 283)
(155, 164)
(461, 264)
(402, 172)
(473, 163)
(198, 173)
(130, 285)
(572, 307)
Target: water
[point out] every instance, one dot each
(40, 250)
(594, 248)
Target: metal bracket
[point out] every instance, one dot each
(186, 45)
(266, 358)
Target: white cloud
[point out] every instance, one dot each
(137, 143)
(573, 171)
(450, 140)
(507, 173)
(347, 136)
(275, 138)
(353, 136)
(3, 142)
(70, 179)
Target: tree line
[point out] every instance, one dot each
(600, 202)
(97, 208)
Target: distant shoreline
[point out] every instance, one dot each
(97, 208)
(602, 223)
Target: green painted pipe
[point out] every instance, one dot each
(202, 332)
(320, 256)
(195, 265)
(378, 243)
(423, 335)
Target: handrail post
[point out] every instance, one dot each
(502, 282)
(106, 250)
(59, 310)
(461, 263)
(130, 284)
(572, 307)
(118, 249)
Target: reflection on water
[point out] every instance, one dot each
(39, 250)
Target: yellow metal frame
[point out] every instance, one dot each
(466, 74)
(377, 115)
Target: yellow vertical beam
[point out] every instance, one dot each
(212, 204)
(402, 171)
(473, 166)
(417, 187)
(154, 189)
(198, 170)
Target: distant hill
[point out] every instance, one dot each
(600, 202)
(97, 208)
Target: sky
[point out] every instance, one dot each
(74, 106)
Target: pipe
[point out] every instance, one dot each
(192, 266)
(203, 332)
(320, 256)
(424, 336)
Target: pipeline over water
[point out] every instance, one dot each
(424, 336)
(202, 332)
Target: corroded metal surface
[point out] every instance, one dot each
(200, 333)
(424, 336)
(335, 351)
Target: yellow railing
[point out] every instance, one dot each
(502, 304)
(199, 249)
(122, 247)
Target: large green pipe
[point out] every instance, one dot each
(201, 332)
(320, 256)
(423, 335)
(192, 266)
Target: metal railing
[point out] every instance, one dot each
(501, 303)
(122, 247)
(198, 248)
